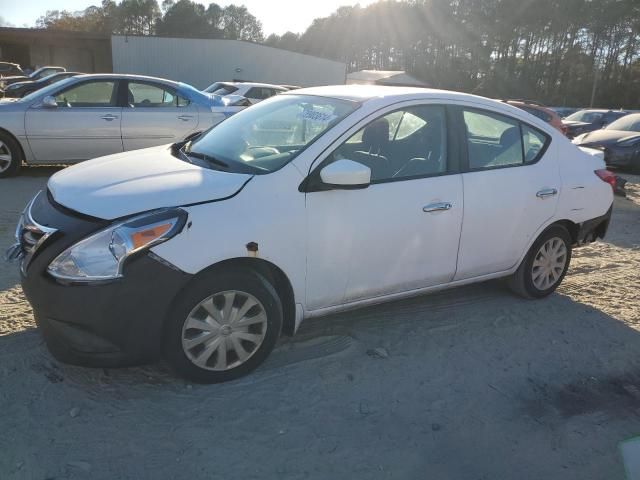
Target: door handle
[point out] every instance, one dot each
(437, 207)
(108, 117)
(185, 118)
(547, 192)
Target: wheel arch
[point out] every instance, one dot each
(15, 139)
(274, 274)
(572, 227)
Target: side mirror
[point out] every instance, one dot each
(49, 102)
(346, 174)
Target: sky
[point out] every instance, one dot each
(277, 16)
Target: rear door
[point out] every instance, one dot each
(85, 124)
(155, 114)
(511, 186)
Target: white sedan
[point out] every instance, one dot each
(254, 92)
(312, 202)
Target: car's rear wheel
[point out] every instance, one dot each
(10, 158)
(545, 265)
(223, 327)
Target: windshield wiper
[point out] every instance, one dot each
(206, 158)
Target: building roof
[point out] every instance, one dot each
(384, 77)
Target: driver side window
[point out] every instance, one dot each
(88, 94)
(404, 144)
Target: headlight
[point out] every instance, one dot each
(101, 256)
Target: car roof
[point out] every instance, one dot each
(124, 76)
(601, 110)
(364, 93)
(254, 84)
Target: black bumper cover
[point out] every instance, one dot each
(108, 324)
(593, 229)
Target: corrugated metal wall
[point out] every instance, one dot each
(201, 62)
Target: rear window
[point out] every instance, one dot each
(538, 113)
(225, 90)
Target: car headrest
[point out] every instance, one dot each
(376, 135)
(510, 137)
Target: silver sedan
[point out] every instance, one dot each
(90, 116)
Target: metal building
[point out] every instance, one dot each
(397, 78)
(201, 62)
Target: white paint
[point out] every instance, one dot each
(346, 248)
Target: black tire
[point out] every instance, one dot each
(522, 281)
(10, 146)
(207, 285)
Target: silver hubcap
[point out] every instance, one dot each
(549, 263)
(5, 156)
(224, 330)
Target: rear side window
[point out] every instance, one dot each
(148, 96)
(495, 141)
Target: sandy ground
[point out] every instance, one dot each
(473, 383)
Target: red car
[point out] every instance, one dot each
(541, 112)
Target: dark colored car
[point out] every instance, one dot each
(42, 72)
(564, 112)
(589, 120)
(10, 69)
(20, 89)
(620, 142)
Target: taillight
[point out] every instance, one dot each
(607, 176)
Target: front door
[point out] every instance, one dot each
(402, 231)
(511, 189)
(155, 115)
(85, 124)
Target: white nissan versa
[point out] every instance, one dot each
(310, 202)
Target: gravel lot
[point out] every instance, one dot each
(472, 383)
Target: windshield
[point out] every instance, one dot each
(586, 116)
(267, 136)
(629, 123)
(48, 90)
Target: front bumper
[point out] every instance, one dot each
(109, 324)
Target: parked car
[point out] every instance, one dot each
(540, 111)
(8, 69)
(309, 203)
(564, 112)
(620, 142)
(88, 116)
(255, 92)
(20, 89)
(588, 120)
(32, 77)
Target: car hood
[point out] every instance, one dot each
(132, 182)
(607, 137)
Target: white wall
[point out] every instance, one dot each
(201, 62)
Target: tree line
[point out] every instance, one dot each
(560, 52)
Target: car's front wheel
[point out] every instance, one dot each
(223, 327)
(545, 265)
(10, 158)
